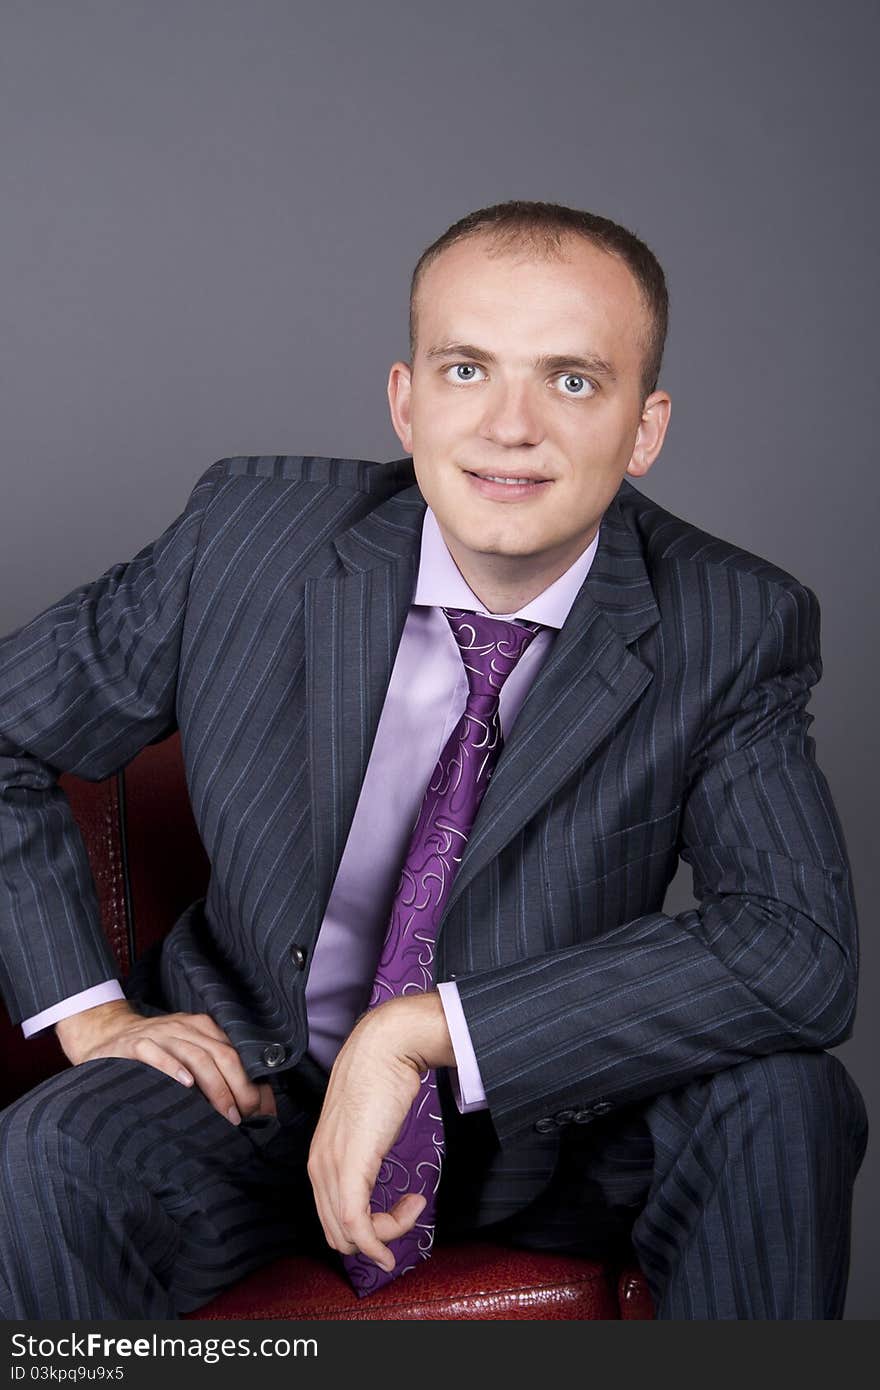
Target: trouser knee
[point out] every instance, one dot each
(31, 1132)
(749, 1209)
(800, 1107)
(805, 1098)
(79, 1109)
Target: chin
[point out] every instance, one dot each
(514, 547)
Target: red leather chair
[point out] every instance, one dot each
(149, 864)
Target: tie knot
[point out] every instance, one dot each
(489, 647)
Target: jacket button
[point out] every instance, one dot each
(564, 1117)
(274, 1054)
(545, 1126)
(582, 1117)
(601, 1107)
(298, 956)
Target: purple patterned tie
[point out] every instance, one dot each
(490, 648)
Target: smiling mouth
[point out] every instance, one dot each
(502, 485)
(499, 478)
(506, 477)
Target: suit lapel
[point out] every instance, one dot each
(354, 622)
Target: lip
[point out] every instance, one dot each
(508, 492)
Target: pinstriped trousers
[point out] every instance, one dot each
(126, 1195)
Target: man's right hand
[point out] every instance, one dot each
(191, 1048)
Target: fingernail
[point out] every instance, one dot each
(233, 1115)
(185, 1077)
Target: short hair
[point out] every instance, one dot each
(540, 227)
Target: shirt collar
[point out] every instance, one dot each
(441, 584)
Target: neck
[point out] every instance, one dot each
(506, 583)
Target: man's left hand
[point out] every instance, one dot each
(374, 1081)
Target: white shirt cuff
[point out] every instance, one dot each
(73, 1004)
(467, 1084)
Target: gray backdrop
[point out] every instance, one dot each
(211, 209)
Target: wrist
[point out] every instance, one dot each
(416, 1030)
(80, 1031)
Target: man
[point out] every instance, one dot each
(316, 629)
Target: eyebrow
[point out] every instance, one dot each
(592, 363)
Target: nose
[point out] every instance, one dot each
(510, 417)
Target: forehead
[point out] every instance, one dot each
(581, 299)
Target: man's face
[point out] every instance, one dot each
(525, 368)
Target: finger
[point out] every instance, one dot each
(209, 1077)
(267, 1104)
(323, 1204)
(248, 1095)
(326, 1203)
(333, 1232)
(356, 1220)
(202, 1023)
(145, 1049)
(365, 1240)
(388, 1225)
(245, 1092)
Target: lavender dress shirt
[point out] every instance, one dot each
(424, 702)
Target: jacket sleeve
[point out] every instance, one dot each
(767, 961)
(84, 687)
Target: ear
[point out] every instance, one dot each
(650, 434)
(400, 402)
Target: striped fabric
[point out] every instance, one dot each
(669, 720)
(127, 1195)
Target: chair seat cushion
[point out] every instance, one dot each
(473, 1280)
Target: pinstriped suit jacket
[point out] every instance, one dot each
(669, 719)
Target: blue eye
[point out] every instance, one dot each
(580, 382)
(458, 367)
